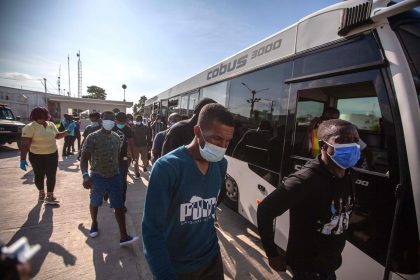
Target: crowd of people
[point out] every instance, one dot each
(185, 186)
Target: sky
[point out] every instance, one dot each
(148, 45)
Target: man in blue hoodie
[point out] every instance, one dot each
(180, 240)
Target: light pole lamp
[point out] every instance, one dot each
(124, 87)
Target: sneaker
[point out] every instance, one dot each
(70, 154)
(137, 176)
(128, 240)
(93, 231)
(41, 196)
(50, 199)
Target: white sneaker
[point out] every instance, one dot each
(93, 232)
(129, 240)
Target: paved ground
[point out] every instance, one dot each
(68, 253)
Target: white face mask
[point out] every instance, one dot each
(94, 124)
(108, 124)
(211, 152)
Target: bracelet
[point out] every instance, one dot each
(85, 173)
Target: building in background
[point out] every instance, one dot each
(22, 101)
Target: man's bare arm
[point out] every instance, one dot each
(84, 165)
(84, 162)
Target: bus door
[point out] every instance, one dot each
(362, 99)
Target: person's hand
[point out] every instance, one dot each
(23, 164)
(277, 263)
(87, 182)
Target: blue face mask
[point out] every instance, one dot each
(345, 155)
(120, 125)
(211, 152)
(94, 124)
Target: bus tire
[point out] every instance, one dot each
(231, 198)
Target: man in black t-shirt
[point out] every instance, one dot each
(182, 133)
(126, 136)
(320, 199)
(92, 127)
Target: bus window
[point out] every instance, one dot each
(184, 105)
(164, 109)
(192, 102)
(365, 114)
(216, 92)
(173, 105)
(308, 110)
(258, 102)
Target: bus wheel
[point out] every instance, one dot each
(232, 194)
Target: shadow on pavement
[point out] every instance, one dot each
(109, 261)
(39, 232)
(28, 178)
(234, 238)
(8, 152)
(69, 164)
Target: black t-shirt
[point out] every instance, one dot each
(89, 129)
(320, 206)
(125, 133)
(182, 133)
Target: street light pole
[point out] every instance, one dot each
(124, 87)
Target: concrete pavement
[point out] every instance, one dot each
(67, 251)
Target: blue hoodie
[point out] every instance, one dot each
(178, 222)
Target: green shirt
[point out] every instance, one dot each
(104, 149)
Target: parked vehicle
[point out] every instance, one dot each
(10, 127)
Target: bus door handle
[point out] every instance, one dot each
(261, 188)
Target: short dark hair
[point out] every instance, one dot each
(214, 112)
(121, 117)
(333, 127)
(94, 115)
(330, 111)
(39, 113)
(107, 113)
(139, 117)
(203, 102)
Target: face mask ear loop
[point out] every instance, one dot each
(202, 135)
(328, 145)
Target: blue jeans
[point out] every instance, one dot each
(112, 186)
(299, 275)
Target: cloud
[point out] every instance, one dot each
(17, 76)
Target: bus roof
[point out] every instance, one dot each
(299, 37)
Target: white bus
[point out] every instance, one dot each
(361, 57)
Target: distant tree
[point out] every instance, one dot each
(95, 92)
(138, 108)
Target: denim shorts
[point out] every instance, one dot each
(112, 186)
